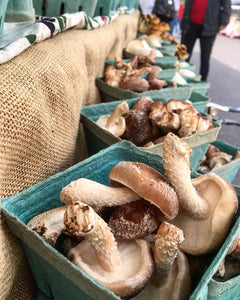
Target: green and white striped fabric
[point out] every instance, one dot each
(17, 37)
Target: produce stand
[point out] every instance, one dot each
(49, 68)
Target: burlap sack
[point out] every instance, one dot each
(41, 95)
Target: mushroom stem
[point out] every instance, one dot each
(167, 241)
(97, 194)
(187, 194)
(81, 219)
(120, 109)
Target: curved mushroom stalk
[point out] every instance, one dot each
(96, 194)
(115, 123)
(207, 203)
(49, 224)
(171, 278)
(148, 183)
(123, 267)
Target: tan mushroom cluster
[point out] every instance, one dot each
(215, 158)
(135, 236)
(151, 24)
(181, 52)
(148, 122)
(128, 76)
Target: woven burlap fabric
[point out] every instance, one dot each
(41, 95)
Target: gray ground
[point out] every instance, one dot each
(224, 77)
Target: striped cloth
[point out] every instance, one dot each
(17, 37)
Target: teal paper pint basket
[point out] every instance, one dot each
(58, 278)
(167, 72)
(199, 101)
(98, 138)
(20, 11)
(229, 170)
(111, 93)
(103, 7)
(54, 8)
(3, 9)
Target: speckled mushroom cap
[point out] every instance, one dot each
(148, 183)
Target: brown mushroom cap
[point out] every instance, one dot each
(143, 104)
(138, 127)
(148, 183)
(132, 221)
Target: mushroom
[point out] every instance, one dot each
(143, 104)
(204, 123)
(165, 120)
(134, 82)
(113, 76)
(124, 267)
(139, 127)
(171, 278)
(189, 121)
(115, 123)
(207, 204)
(148, 183)
(217, 159)
(176, 106)
(49, 224)
(133, 221)
(96, 194)
(154, 82)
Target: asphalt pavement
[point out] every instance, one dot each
(224, 76)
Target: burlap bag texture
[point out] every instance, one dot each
(41, 95)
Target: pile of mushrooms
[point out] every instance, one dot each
(215, 158)
(135, 236)
(128, 76)
(148, 122)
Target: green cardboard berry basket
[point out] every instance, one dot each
(98, 138)
(229, 170)
(59, 7)
(111, 93)
(199, 101)
(165, 61)
(199, 86)
(58, 278)
(167, 72)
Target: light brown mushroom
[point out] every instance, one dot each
(171, 278)
(124, 267)
(113, 76)
(165, 120)
(96, 194)
(176, 106)
(189, 121)
(208, 203)
(204, 123)
(115, 123)
(218, 159)
(148, 183)
(49, 224)
(133, 221)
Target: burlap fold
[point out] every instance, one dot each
(41, 95)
